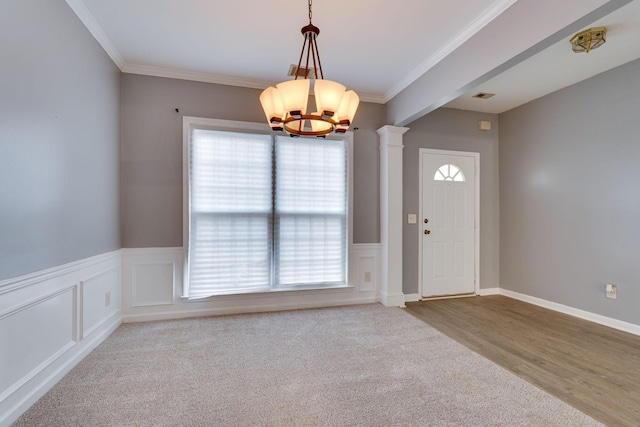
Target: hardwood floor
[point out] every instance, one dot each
(594, 368)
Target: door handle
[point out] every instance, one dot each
(426, 220)
(427, 231)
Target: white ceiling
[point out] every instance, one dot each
(369, 46)
(375, 47)
(558, 66)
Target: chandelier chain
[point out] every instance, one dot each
(310, 2)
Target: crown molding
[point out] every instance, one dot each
(101, 37)
(175, 73)
(489, 15)
(85, 16)
(374, 99)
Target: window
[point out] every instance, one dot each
(310, 211)
(265, 212)
(449, 173)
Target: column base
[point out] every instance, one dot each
(392, 300)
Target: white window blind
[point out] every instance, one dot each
(311, 211)
(230, 213)
(265, 213)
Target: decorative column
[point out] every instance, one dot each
(391, 214)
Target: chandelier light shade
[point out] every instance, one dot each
(294, 94)
(285, 105)
(588, 40)
(328, 96)
(272, 104)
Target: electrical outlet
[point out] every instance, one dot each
(367, 276)
(411, 219)
(611, 291)
(107, 299)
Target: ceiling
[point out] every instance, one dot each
(558, 66)
(370, 47)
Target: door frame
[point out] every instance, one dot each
(476, 213)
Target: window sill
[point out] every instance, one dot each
(271, 293)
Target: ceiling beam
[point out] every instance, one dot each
(524, 29)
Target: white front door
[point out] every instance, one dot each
(448, 223)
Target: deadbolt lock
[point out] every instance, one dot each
(427, 231)
(426, 220)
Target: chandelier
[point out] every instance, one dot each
(588, 40)
(286, 104)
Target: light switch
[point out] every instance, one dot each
(411, 218)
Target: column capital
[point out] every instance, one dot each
(389, 130)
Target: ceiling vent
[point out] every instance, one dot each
(305, 73)
(483, 95)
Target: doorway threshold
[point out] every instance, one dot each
(449, 297)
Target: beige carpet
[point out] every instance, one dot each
(350, 366)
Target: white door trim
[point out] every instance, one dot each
(476, 212)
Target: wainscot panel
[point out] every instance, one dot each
(152, 280)
(49, 321)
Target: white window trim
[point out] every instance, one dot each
(188, 125)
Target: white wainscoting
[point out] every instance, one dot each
(152, 288)
(366, 268)
(49, 321)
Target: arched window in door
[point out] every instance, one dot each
(449, 173)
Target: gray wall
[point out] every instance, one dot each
(59, 139)
(448, 129)
(152, 154)
(570, 203)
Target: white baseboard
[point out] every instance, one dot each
(248, 308)
(586, 315)
(489, 291)
(592, 317)
(62, 314)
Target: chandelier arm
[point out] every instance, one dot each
(317, 53)
(307, 40)
(300, 61)
(313, 49)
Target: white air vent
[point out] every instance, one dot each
(483, 95)
(301, 72)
